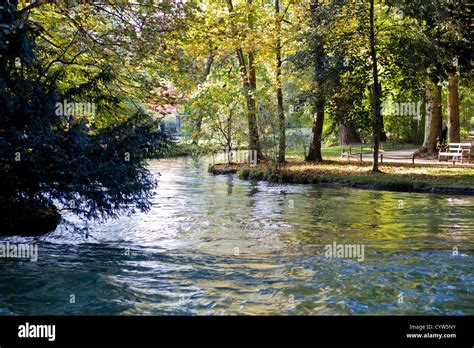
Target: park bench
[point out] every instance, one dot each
(459, 151)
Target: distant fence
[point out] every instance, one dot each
(358, 151)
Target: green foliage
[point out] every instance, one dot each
(215, 111)
(404, 129)
(45, 157)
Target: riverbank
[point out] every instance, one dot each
(394, 177)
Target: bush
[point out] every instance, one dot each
(244, 172)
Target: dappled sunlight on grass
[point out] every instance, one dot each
(340, 167)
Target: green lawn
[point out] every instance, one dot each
(334, 151)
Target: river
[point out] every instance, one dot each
(218, 245)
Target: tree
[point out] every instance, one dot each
(454, 129)
(376, 91)
(452, 35)
(243, 37)
(207, 72)
(433, 122)
(280, 110)
(348, 134)
(51, 159)
(445, 29)
(249, 79)
(219, 105)
(417, 56)
(317, 52)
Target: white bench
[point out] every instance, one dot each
(458, 151)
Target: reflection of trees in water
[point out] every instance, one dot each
(230, 184)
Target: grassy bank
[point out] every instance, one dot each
(395, 177)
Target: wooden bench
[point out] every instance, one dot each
(460, 151)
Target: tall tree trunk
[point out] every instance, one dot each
(375, 92)
(281, 112)
(254, 139)
(249, 80)
(383, 135)
(253, 122)
(314, 153)
(454, 131)
(207, 71)
(433, 121)
(348, 134)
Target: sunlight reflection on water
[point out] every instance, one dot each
(222, 246)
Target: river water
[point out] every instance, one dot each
(218, 245)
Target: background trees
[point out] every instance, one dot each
(322, 58)
(246, 37)
(444, 52)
